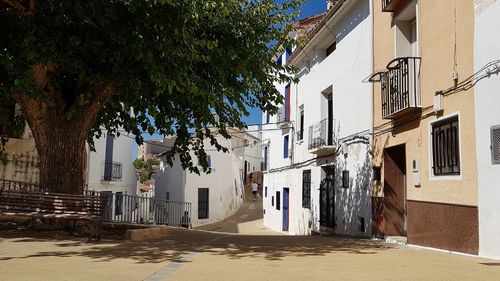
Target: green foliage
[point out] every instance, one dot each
(175, 62)
(146, 168)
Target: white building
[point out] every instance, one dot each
(110, 170)
(217, 195)
(487, 102)
(317, 149)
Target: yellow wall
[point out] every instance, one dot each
(436, 25)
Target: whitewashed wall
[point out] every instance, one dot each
(122, 152)
(224, 182)
(487, 101)
(343, 72)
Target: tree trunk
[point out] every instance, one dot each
(60, 127)
(60, 144)
(62, 160)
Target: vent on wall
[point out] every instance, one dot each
(495, 144)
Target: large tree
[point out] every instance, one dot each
(75, 67)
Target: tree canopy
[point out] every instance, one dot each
(76, 67)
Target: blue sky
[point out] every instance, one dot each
(309, 8)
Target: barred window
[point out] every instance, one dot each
(306, 189)
(495, 144)
(445, 147)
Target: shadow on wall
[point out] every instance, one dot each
(353, 204)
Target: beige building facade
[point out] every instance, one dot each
(424, 158)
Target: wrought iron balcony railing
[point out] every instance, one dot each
(390, 5)
(112, 171)
(400, 85)
(321, 135)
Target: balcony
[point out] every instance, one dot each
(322, 137)
(112, 171)
(400, 85)
(390, 5)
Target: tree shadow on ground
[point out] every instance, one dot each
(181, 242)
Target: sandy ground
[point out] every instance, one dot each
(247, 252)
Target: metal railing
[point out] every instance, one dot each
(124, 208)
(321, 134)
(112, 171)
(400, 86)
(390, 5)
(16, 185)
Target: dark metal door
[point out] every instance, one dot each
(327, 201)
(286, 212)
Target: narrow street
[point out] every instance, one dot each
(247, 220)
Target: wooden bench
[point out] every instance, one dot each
(45, 205)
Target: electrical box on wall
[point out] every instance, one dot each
(438, 102)
(416, 172)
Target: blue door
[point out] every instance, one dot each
(286, 213)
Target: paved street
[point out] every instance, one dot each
(203, 255)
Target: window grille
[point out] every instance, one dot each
(445, 147)
(495, 144)
(306, 189)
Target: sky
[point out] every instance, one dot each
(309, 8)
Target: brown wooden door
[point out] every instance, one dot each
(394, 191)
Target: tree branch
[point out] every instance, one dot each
(16, 5)
(20, 8)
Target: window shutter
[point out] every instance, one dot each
(495, 144)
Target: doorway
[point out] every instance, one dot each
(286, 211)
(327, 199)
(394, 210)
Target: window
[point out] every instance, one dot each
(202, 203)
(209, 161)
(345, 179)
(272, 201)
(167, 196)
(278, 201)
(495, 144)
(265, 159)
(301, 128)
(119, 203)
(288, 53)
(445, 147)
(287, 103)
(265, 191)
(280, 59)
(377, 174)
(306, 189)
(331, 49)
(285, 147)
